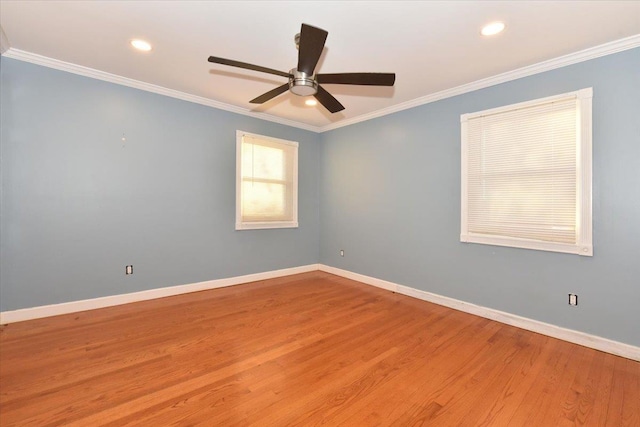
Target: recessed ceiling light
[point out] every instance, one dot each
(493, 28)
(311, 102)
(141, 45)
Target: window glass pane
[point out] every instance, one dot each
(522, 174)
(263, 200)
(260, 161)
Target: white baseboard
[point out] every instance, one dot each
(91, 304)
(577, 337)
(593, 341)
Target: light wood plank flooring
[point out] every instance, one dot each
(303, 350)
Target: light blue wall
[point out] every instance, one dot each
(77, 206)
(390, 197)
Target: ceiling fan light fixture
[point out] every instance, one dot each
(141, 45)
(302, 84)
(492, 28)
(311, 102)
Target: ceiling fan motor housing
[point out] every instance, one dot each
(302, 84)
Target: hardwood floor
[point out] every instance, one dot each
(305, 350)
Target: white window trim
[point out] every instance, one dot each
(255, 225)
(584, 225)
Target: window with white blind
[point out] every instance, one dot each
(266, 182)
(526, 175)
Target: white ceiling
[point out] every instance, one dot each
(432, 46)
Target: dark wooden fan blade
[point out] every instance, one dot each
(271, 94)
(369, 79)
(247, 66)
(310, 47)
(329, 102)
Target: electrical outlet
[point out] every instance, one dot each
(573, 299)
(341, 252)
(128, 270)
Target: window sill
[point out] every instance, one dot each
(266, 225)
(538, 245)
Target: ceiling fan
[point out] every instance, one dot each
(302, 80)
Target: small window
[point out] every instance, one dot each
(526, 175)
(266, 182)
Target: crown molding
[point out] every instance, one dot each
(4, 42)
(562, 61)
(137, 84)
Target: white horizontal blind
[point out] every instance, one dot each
(267, 169)
(522, 173)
